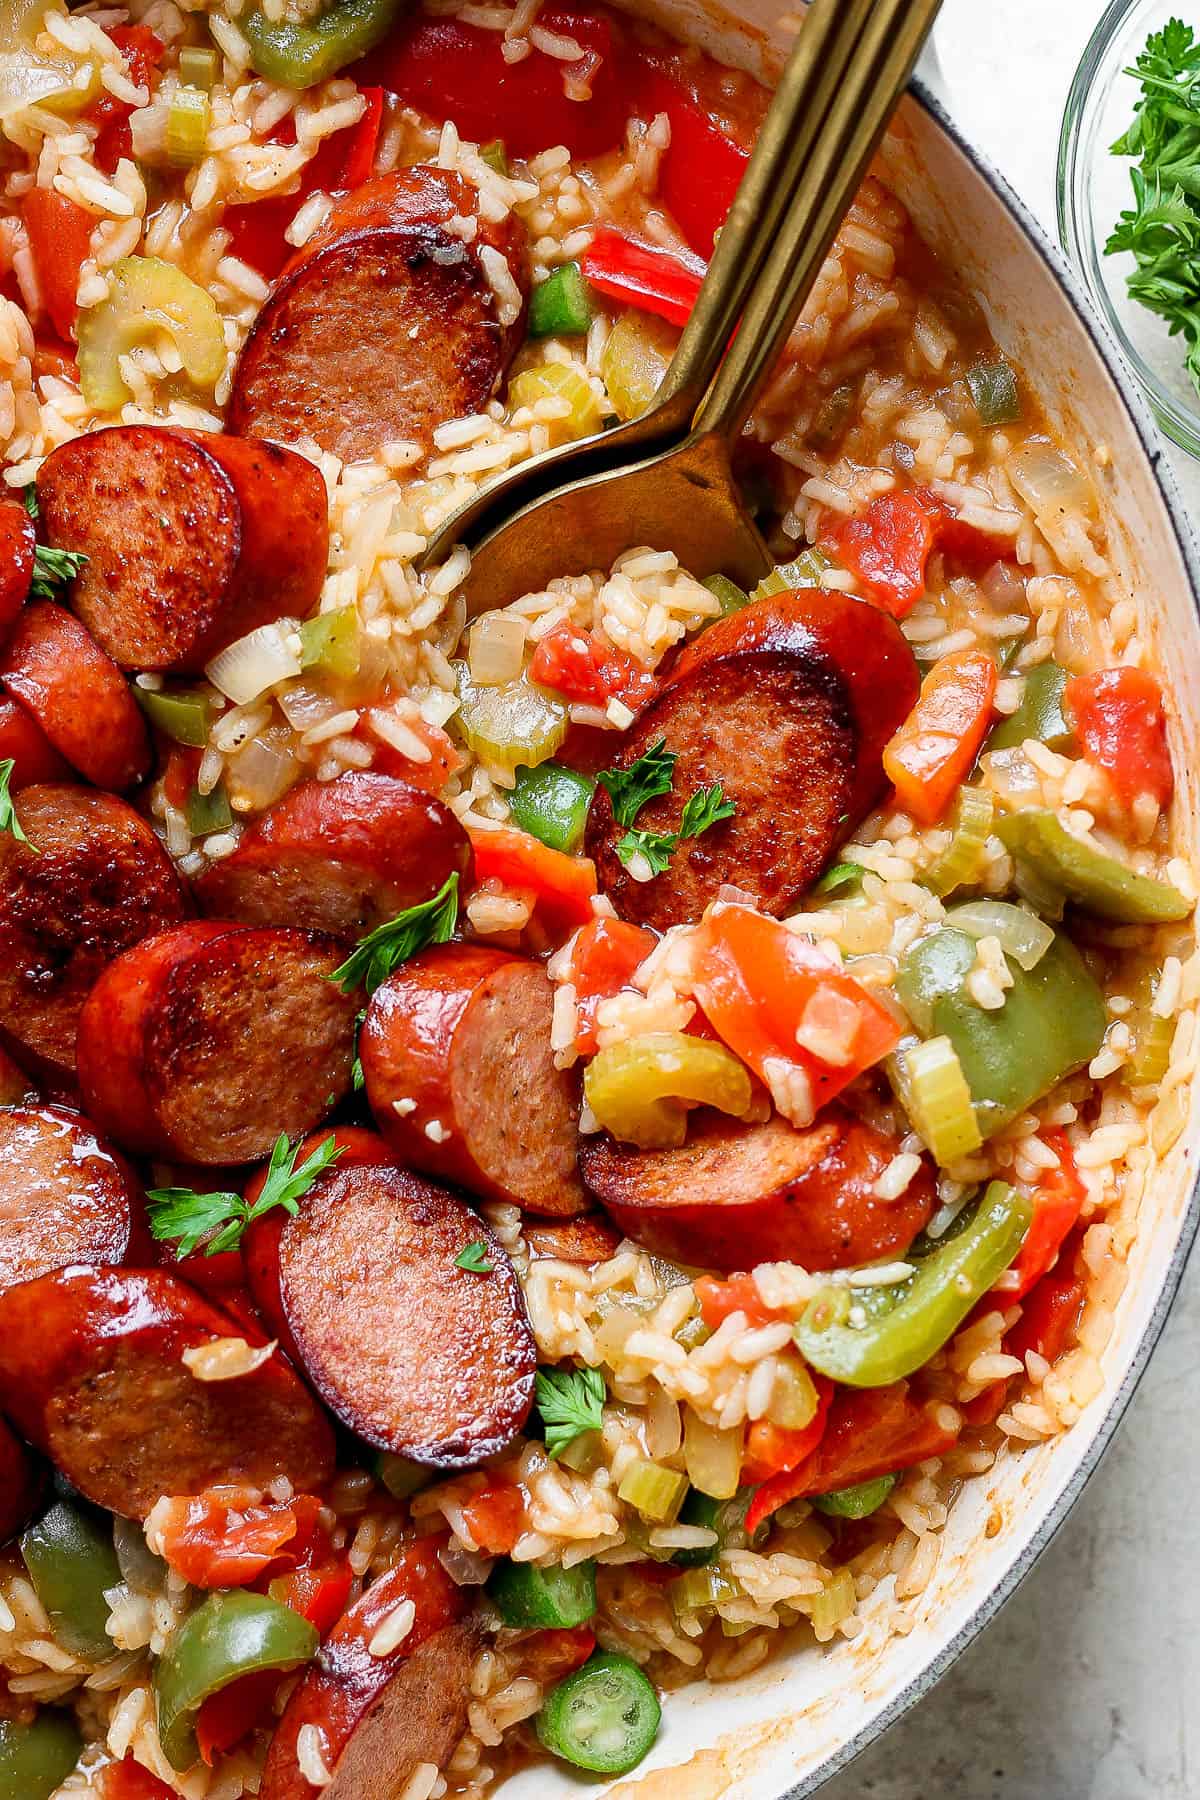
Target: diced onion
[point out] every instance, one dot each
(933, 1091)
(712, 1458)
(466, 1568)
(256, 662)
(793, 1398)
(260, 773)
(24, 82)
(1022, 935)
(497, 649)
(1048, 480)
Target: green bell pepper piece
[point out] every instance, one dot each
(1087, 875)
(731, 596)
(551, 803)
(184, 716)
(560, 306)
(71, 1560)
(995, 392)
(529, 1598)
(36, 1758)
(495, 156)
(1052, 1022)
(208, 813)
(231, 1634)
(329, 642)
(907, 1324)
(857, 1502)
(299, 56)
(1040, 714)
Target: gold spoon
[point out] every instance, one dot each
(685, 498)
(809, 85)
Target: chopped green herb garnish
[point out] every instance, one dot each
(8, 813)
(571, 1401)
(843, 874)
(31, 500)
(707, 806)
(632, 788)
(218, 1220)
(358, 1080)
(474, 1259)
(389, 945)
(52, 569)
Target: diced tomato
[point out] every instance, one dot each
(659, 281)
(1118, 716)
(772, 1451)
(60, 238)
(966, 546)
(451, 70)
(887, 548)
(986, 1408)
(143, 52)
(935, 749)
(495, 1516)
(318, 1593)
(584, 667)
(1056, 1205)
(718, 1299)
(230, 1714)
(563, 885)
(364, 140)
(1051, 1311)
(603, 959)
(50, 357)
(130, 1780)
(760, 985)
(550, 1656)
(179, 776)
(445, 758)
(256, 228)
(214, 1544)
(698, 174)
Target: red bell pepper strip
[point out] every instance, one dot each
(60, 240)
(585, 667)
(603, 959)
(739, 1293)
(1051, 1312)
(318, 1593)
(698, 174)
(1057, 1202)
(563, 886)
(364, 140)
(450, 70)
(215, 1544)
(773, 1452)
(659, 281)
(130, 1780)
(230, 1714)
(1118, 717)
(935, 749)
(143, 52)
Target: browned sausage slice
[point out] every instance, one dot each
(460, 1076)
(206, 1042)
(18, 547)
(93, 880)
(78, 696)
(193, 539)
(340, 856)
(788, 705)
(26, 746)
(65, 1197)
(387, 324)
(20, 1485)
(416, 1354)
(92, 1371)
(373, 1719)
(732, 1196)
(590, 1239)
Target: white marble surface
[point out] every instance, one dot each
(1084, 1688)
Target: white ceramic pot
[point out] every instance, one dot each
(786, 1728)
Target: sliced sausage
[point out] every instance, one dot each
(78, 696)
(788, 704)
(26, 746)
(92, 1371)
(732, 1197)
(21, 1486)
(15, 1085)
(378, 1717)
(589, 1239)
(459, 1072)
(340, 856)
(192, 538)
(416, 1354)
(65, 1196)
(386, 324)
(92, 880)
(207, 1041)
(18, 547)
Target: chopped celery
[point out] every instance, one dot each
(634, 360)
(1087, 874)
(995, 392)
(833, 416)
(187, 127)
(559, 381)
(185, 716)
(198, 67)
(495, 156)
(702, 1589)
(692, 1333)
(705, 1511)
(147, 296)
(641, 1089)
(731, 596)
(1151, 1058)
(653, 1490)
(551, 803)
(209, 812)
(804, 572)
(583, 1454)
(835, 1602)
(529, 1598)
(961, 862)
(560, 306)
(1022, 935)
(1040, 714)
(330, 642)
(80, 86)
(857, 1502)
(509, 726)
(401, 1477)
(933, 1091)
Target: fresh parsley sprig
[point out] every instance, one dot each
(390, 944)
(8, 813)
(571, 1401)
(52, 569)
(218, 1220)
(473, 1257)
(647, 779)
(644, 780)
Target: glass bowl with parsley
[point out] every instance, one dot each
(1129, 195)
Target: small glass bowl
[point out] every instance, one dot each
(1094, 189)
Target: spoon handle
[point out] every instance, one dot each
(848, 137)
(809, 86)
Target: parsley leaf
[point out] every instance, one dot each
(8, 813)
(31, 500)
(218, 1220)
(707, 806)
(644, 780)
(389, 945)
(571, 1402)
(843, 874)
(474, 1259)
(52, 569)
